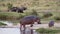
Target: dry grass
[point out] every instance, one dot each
(43, 4)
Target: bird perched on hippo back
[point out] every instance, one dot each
(51, 23)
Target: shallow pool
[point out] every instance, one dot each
(9, 31)
(14, 31)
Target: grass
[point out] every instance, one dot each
(47, 31)
(9, 16)
(40, 6)
(13, 16)
(1, 24)
(32, 3)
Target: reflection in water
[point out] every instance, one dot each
(14, 31)
(28, 30)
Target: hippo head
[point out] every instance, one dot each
(24, 8)
(37, 19)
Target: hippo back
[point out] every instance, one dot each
(28, 19)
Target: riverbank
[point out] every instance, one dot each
(37, 26)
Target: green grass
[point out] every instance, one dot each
(47, 31)
(1, 24)
(13, 16)
(8, 15)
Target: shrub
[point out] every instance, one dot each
(8, 16)
(3, 16)
(2, 24)
(47, 14)
(47, 31)
(56, 17)
(47, 5)
(34, 12)
(9, 5)
(21, 16)
(11, 16)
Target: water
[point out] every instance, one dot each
(14, 31)
(9, 31)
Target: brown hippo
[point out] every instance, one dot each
(29, 20)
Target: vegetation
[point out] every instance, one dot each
(35, 7)
(47, 31)
(13, 16)
(34, 12)
(8, 15)
(47, 14)
(9, 5)
(56, 17)
(1, 24)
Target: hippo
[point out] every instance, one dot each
(13, 9)
(51, 23)
(31, 19)
(18, 9)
